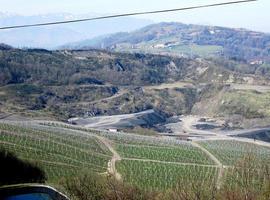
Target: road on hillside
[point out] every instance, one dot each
(115, 158)
(258, 88)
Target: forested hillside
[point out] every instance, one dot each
(187, 40)
(65, 84)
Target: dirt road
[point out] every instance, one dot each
(169, 86)
(116, 157)
(258, 88)
(216, 161)
(190, 121)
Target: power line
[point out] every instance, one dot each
(124, 15)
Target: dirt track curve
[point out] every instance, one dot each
(116, 157)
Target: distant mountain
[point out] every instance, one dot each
(186, 40)
(53, 36)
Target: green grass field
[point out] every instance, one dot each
(201, 50)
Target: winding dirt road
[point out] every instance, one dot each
(116, 157)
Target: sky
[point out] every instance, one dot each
(253, 15)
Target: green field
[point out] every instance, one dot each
(200, 50)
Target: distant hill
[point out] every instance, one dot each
(5, 47)
(187, 40)
(72, 83)
(53, 36)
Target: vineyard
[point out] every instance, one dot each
(184, 153)
(60, 154)
(230, 151)
(148, 162)
(152, 175)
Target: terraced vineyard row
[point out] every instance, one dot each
(59, 155)
(180, 153)
(230, 151)
(162, 176)
(67, 136)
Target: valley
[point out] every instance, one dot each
(192, 113)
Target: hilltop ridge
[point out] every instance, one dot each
(186, 40)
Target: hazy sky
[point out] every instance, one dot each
(253, 15)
